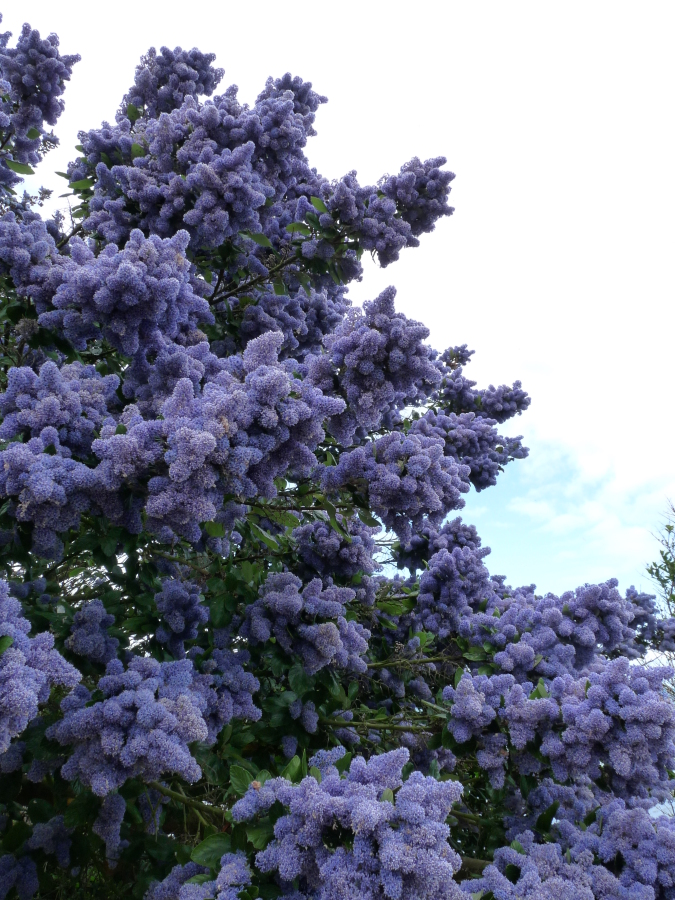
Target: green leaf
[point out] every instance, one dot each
(109, 544)
(215, 529)
(132, 113)
(260, 239)
(318, 204)
(545, 820)
(63, 175)
(18, 167)
(200, 879)
(264, 537)
(368, 519)
(240, 779)
(387, 794)
(315, 773)
(279, 288)
(298, 227)
(17, 834)
(260, 835)
(121, 429)
(32, 134)
(209, 852)
(137, 150)
(343, 764)
(516, 845)
(392, 607)
(474, 654)
(299, 680)
(6, 641)
(591, 817)
(82, 185)
(293, 771)
(539, 691)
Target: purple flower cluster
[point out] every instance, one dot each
(451, 588)
(29, 667)
(74, 399)
(391, 215)
(478, 701)
(179, 603)
(533, 871)
(632, 841)
(292, 614)
(32, 78)
(456, 393)
(233, 689)
(133, 297)
(108, 824)
(397, 833)
(379, 361)
(52, 837)
(618, 727)
(165, 79)
(151, 712)
(28, 254)
(326, 553)
(233, 877)
(471, 441)
(406, 477)
(304, 320)
(20, 874)
(170, 887)
(89, 633)
(427, 540)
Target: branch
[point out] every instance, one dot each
(342, 723)
(254, 281)
(474, 865)
(186, 801)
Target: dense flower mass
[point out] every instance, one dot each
(32, 77)
(29, 667)
(212, 685)
(398, 846)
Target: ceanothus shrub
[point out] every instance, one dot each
(212, 684)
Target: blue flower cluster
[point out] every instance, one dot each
(134, 298)
(32, 80)
(397, 844)
(406, 478)
(328, 554)
(233, 877)
(164, 80)
(89, 633)
(29, 667)
(151, 712)
(291, 614)
(379, 361)
(179, 603)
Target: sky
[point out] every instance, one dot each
(556, 267)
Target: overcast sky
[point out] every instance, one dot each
(557, 264)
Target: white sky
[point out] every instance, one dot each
(557, 265)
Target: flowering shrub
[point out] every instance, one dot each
(211, 463)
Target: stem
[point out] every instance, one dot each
(469, 864)
(468, 816)
(254, 281)
(186, 801)
(408, 662)
(183, 562)
(377, 725)
(76, 230)
(434, 706)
